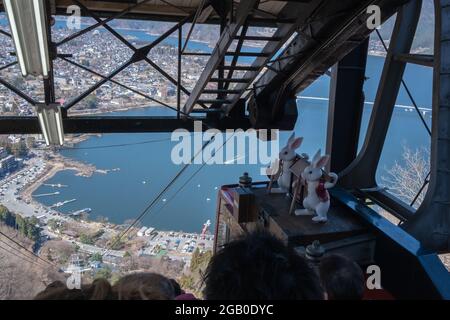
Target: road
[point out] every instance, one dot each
(176, 245)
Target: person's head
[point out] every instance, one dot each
(176, 287)
(144, 286)
(100, 289)
(341, 278)
(261, 267)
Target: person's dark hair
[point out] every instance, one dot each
(176, 287)
(341, 278)
(144, 286)
(260, 267)
(100, 289)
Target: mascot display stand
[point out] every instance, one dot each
(306, 182)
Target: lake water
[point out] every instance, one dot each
(146, 168)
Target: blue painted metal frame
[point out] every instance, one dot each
(407, 269)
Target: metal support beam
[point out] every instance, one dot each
(141, 53)
(431, 223)
(197, 14)
(8, 65)
(230, 32)
(101, 23)
(116, 82)
(279, 38)
(19, 92)
(83, 95)
(220, 71)
(108, 124)
(6, 34)
(410, 271)
(180, 51)
(425, 60)
(222, 7)
(315, 50)
(360, 174)
(346, 107)
(49, 83)
(235, 59)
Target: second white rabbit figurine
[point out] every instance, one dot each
(318, 199)
(287, 157)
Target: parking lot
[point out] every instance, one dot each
(176, 244)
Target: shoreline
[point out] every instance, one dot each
(57, 164)
(125, 109)
(121, 109)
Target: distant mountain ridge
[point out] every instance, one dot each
(424, 38)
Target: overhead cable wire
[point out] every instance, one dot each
(117, 145)
(26, 249)
(22, 256)
(408, 92)
(189, 180)
(160, 194)
(19, 257)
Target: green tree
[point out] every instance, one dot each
(53, 224)
(116, 242)
(28, 227)
(104, 273)
(187, 282)
(19, 149)
(98, 234)
(30, 142)
(32, 232)
(97, 257)
(91, 101)
(200, 260)
(21, 225)
(7, 217)
(34, 220)
(86, 239)
(195, 260)
(114, 278)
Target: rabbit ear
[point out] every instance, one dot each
(296, 143)
(291, 138)
(316, 157)
(322, 162)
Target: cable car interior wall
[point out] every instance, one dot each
(312, 36)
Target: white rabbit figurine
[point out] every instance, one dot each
(287, 156)
(318, 199)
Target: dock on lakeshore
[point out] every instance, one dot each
(46, 194)
(58, 185)
(61, 203)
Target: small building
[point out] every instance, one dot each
(3, 153)
(141, 232)
(95, 264)
(149, 231)
(8, 165)
(71, 233)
